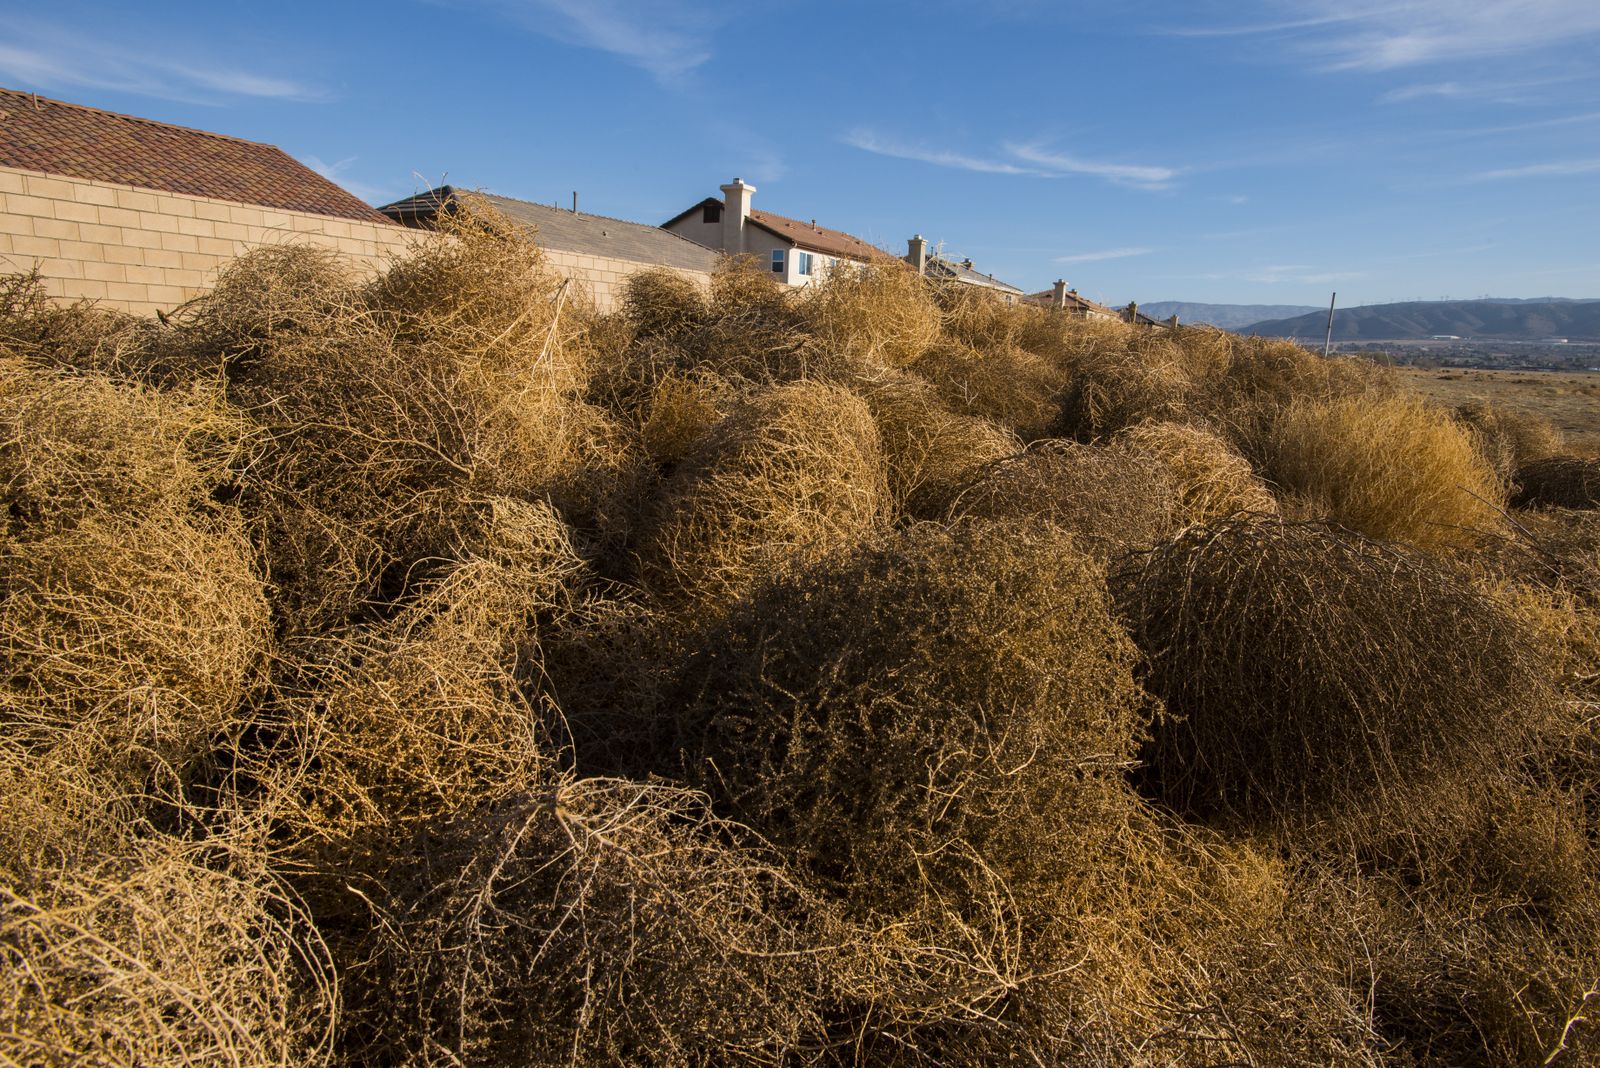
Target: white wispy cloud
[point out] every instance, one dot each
(1024, 159)
(1104, 254)
(1141, 176)
(668, 38)
(868, 141)
(1559, 169)
(54, 58)
(338, 173)
(1377, 35)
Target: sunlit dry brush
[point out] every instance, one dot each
(895, 710)
(450, 376)
(1389, 467)
(1508, 439)
(80, 444)
(1213, 478)
(979, 319)
(133, 621)
(661, 303)
(1560, 481)
(794, 471)
(1114, 387)
(590, 922)
(161, 953)
(1008, 386)
(882, 315)
(931, 453)
(435, 710)
(934, 724)
(1303, 666)
(1113, 499)
(89, 337)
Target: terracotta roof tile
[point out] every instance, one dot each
(818, 238)
(37, 134)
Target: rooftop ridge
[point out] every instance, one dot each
(34, 98)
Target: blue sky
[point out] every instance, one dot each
(1261, 151)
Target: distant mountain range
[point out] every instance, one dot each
(1489, 319)
(1227, 316)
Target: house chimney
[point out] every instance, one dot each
(967, 263)
(735, 210)
(1058, 295)
(917, 254)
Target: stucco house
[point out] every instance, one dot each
(962, 272)
(596, 251)
(140, 214)
(1061, 298)
(798, 253)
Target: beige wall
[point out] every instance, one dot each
(142, 250)
(602, 277)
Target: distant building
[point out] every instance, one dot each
(597, 251)
(963, 272)
(1061, 298)
(797, 253)
(140, 214)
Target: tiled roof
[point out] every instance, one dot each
(1075, 302)
(818, 238)
(938, 265)
(37, 134)
(567, 231)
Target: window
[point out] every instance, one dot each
(803, 262)
(777, 261)
(711, 213)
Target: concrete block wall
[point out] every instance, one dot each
(142, 250)
(602, 277)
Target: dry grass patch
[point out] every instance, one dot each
(1303, 666)
(1509, 439)
(1112, 499)
(162, 954)
(932, 453)
(1007, 386)
(882, 315)
(793, 471)
(1561, 481)
(592, 922)
(1388, 467)
(1213, 479)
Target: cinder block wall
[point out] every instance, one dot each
(602, 277)
(141, 250)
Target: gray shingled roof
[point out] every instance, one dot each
(963, 273)
(566, 231)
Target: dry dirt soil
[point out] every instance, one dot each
(1569, 400)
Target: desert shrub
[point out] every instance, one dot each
(934, 725)
(1388, 467)
(1508, 439)
(438, 708)
(1562, 481)
(661, 303)
(878, 315)
(1007, 386)
(743, 285)
(978, 319)
(682, 410)
(449, 378)
(793, 471)
(162, 953)
(931, 453)
(1213, 479)
(1064, 340)
(1113, 388)
(1112, 499)
(591, 922)
(1303, 666)
(130, 642)
(936, 692)
(86, 337)
(276, 289)
(73, 445)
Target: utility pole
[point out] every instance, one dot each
(1327, 345)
